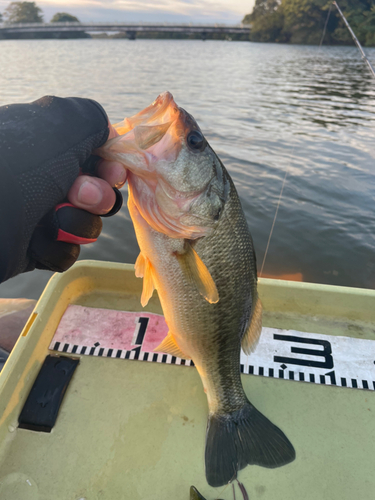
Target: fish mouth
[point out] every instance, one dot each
(161, 111)
(150, 125)
(149, 143)
(160, 130)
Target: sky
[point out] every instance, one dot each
(180, 11)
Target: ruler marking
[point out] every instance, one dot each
(354, 375)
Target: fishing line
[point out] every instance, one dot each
(226, 486)
(274, 219)
(325, 26)
(287, 170)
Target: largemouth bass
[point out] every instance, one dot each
(197, 252)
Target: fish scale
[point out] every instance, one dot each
(197, 252)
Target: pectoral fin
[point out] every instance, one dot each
(252, 334)
(169, 346)
(139, 266)
(143, 269)
(197, 273)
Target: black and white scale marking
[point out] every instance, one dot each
(282, 354)
(137, 354)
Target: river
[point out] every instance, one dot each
(265, 109)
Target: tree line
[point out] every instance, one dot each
(303, 21)
(29, 12)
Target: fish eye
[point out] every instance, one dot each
(195, 139)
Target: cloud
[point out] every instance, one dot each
(228, 11)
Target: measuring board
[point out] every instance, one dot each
(283, 354)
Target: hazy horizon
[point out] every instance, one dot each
(179, 11)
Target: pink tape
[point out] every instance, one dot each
(111, 329)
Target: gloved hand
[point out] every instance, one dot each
(44, 146)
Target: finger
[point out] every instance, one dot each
(113, 172)
(92, 194)
(56, 256)
(73, 225)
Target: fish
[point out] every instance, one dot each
(195, 495)
(197, 252)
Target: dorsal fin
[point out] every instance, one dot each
(169, 346)
(252, 334)
(197, 273)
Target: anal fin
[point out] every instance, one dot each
(169, 346)
(197, 273)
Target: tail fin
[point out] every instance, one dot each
(242, 438)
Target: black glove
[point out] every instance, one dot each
(43, 146)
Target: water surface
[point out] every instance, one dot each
(265, 109)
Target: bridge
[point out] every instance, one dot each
(131, 29)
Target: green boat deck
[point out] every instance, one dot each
(136, 430)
